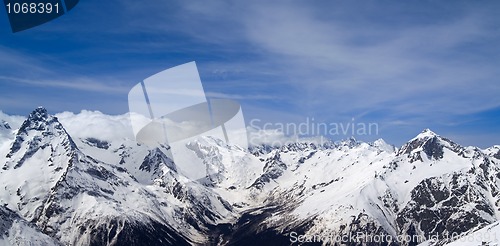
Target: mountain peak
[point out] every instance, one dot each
(39, 113)
(350, 142)
(426, 133)
(429, 143)
(153, 160)
(37, 131)
(382, 145)
(39, 119)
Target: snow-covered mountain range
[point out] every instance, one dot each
(83, 180)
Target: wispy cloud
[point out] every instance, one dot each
(240, 97)
(405, 65)
(354, 65)
(78, 84)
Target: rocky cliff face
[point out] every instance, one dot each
(96, 191)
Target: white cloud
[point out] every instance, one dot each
(96, 124)
(393, 65)
(15, 121)
(78, 83)
(413, 63)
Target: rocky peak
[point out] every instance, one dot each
(426, 133)
(39, 120)
(300, 146)
(351, 142)
(429, 143)
(493, 151)
(273, 169)
(154, 159)
(5, 125)
(39, 130)
(39, 113)
(258, 150)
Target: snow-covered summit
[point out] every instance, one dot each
(76, 198)
(383, 146)
(39, 131)
(426, 133)
(94, 184)
(493, 151)
(39, 119)
(429, 143)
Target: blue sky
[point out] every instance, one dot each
(405, 65)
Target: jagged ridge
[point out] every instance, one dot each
(429, 186)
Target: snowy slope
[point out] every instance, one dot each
(489, 235)
(76, 198)
(17, 231)
(37, 159)
(430, 186)
(82, 180)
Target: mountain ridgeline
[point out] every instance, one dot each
(58, 188)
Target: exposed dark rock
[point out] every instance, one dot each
(125, 231)
(94, 142)
(5, 125)
(273, 169)
(153, 160)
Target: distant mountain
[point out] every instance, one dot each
(75, 187)
(80, 200)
